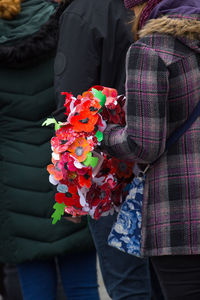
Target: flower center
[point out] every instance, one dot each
(102, 195)
(79, 151)
(84, 121)
(62, 142)
(92, 108)
(66, 166)
(57, 167)
(86, 176)
(122, 166)
(113, 112)
(68, 195)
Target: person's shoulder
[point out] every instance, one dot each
(94, 7)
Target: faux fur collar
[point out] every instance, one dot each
(177, 27)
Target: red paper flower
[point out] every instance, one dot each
(68, 99)
(116, 195)
(99, 194)
(114, 112)
(75, 211)
(104, 203)
(67, 163)
(101, 208)
(71, 198)
(85, 179)
(91, 106)
(83, 121)
(65, 136)
(109, 92)
(97, 87)
(79, 149)
(121, 168)
(70, 179)
(92, 195)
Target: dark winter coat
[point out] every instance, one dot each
(163, 87)
(92, 46)
(26, 196)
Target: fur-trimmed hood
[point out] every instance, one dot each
(35, 47)
(185, 29)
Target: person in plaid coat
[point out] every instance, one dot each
(162, 89)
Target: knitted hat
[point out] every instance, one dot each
(131, 3)
(147, 10)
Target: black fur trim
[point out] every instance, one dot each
(35, 47)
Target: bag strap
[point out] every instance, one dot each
(183, 128)
(173, 138)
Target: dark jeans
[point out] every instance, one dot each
(179, 276)
(77, 272)
(126, 277)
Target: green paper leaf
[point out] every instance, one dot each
(99, 136)
(90, 160)
(58, 213)
(58, 125)
(99, 95)
(50, 121)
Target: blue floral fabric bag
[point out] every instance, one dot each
(126, 232)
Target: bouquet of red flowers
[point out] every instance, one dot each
(88, 182)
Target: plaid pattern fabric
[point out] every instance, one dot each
(162, 89)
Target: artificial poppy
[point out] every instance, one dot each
(65, 136)
(79, 149)
(70, 179)
(83, 121)
(104, 201)
(97, 87)
(92, 106)
(92, 195)
(105, 114)
(101, 208)
(111, 95)
(122, 169)
(67, 163)
(121, 100)
(55, 170)
(71, 198)
(68, 99)
(85, 179)
(117, 195)
(88, 95)
(99, 194)
(114, 112)
(92, 141)
(75, 211)
(105, 193)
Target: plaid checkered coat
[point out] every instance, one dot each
(162, 89)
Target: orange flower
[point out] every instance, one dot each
(79, 149)
(88, 95)
(55, 171)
